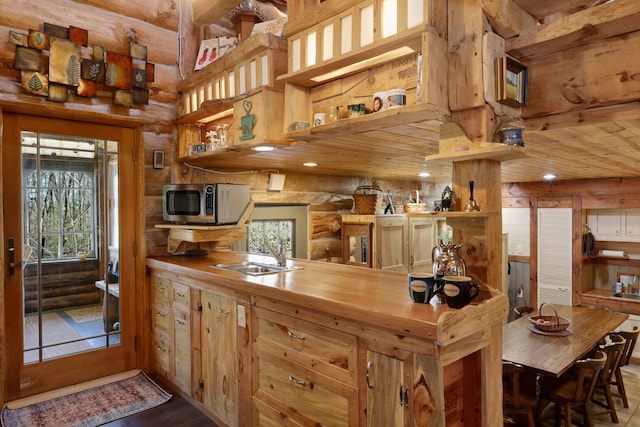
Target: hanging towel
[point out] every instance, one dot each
(589, 245)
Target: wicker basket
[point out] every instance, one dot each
(415, 207)
(556, 323)
(369, 200)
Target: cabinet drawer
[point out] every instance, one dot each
(160, 289)
(181, 295)
(292, 388)
(329, 351)
(265, 416)
(160, 317)
(161, 356)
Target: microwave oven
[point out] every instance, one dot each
(214, 204)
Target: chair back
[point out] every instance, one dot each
(614, 350)
(511, 383)
(521, 310)
(632, 338)
(589, 370)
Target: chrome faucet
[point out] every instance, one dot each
(635, 285)
(279, 252)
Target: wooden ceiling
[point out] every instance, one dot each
(598, 143)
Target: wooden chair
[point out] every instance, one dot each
(572, 392)
(521, 310)
(632, 338)
(614, 349)
(517, 401)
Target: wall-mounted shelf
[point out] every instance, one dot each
(211, 235)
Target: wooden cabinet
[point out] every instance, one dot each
(171, 325)
(303, 370)
(219, 356)
(389, 387)
(392, 244)
(395, 243)
(619, 225)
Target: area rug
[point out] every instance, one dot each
(87, 407)
(85, 314)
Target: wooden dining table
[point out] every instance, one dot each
(554, 354)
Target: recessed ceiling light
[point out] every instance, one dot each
(424, 174)
(310, 164)
(549, 176)
(263, 148)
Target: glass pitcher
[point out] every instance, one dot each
(446, 261)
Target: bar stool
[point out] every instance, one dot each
(632, 338)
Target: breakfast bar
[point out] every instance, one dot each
(348, 339)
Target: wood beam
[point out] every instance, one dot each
(585, 77)
(581, 28)
(208, 11)
(506, 18)
(543, 8)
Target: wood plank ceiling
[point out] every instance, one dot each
(597, 145)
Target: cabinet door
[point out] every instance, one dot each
(632, 224)
(387, 387)
(421, 242)
(392, 244)
(219, 356)
(180, 357)
(608, 223)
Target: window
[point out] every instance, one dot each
(59, 174)
(270, 222)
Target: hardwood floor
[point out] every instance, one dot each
(177, 412)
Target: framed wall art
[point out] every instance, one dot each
(511, 82)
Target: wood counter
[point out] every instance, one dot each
(455, 355)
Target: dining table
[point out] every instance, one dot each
(553, 353)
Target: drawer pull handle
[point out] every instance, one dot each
(180, 322)
(369, 368)
(161, 348)
(225, 312)
(161, 314)
(179, 294)
(295, 381)
(161, 288)
(298, 337)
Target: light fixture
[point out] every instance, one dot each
(263, 148)
(549, 176)
(424, 174)
(367, 63)
(310, 164)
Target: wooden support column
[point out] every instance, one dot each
(482, 235)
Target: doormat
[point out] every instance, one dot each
(87, 407)
(85, 314)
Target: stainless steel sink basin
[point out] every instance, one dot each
(255, 268)
(626, 296)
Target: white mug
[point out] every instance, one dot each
(319, 119)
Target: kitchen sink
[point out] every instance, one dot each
(255, 268)
(626, 296)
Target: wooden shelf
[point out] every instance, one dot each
(211, 234)
(483, 150)
(454, 214)
(369, 122)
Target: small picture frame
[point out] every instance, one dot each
(511, 82)
(158, 159)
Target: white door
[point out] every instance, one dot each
(554, 255)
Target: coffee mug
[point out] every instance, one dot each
(319, 119)
(422, 287)
(459, 291)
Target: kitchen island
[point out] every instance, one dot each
(325, 343)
